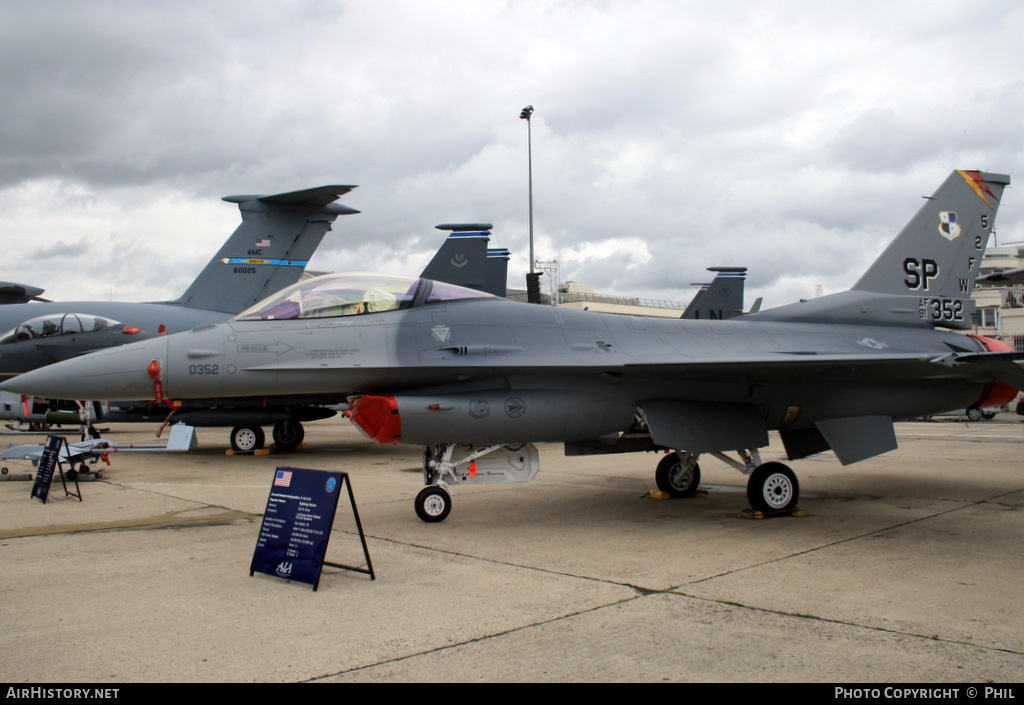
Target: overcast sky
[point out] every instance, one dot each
(794, 138)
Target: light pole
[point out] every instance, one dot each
(525, 115)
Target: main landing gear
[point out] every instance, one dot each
(678, 474)
(248, 439)
(772, 488)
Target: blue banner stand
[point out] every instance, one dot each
(297, 526)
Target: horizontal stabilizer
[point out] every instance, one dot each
(12, 293)
(1006, 367)
(1007, 277)
(317, 197)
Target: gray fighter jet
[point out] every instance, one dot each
(52, 338)
(478, 379)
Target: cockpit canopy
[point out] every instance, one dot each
(57, 324)
(352, 294)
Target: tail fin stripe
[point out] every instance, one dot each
(977, 183)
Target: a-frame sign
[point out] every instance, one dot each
(297, 525)
(49, 460)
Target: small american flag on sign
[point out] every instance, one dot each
(265, 242)
(283, 478)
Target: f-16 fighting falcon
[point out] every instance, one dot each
(478, 379)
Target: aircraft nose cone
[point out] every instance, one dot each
(115, 374)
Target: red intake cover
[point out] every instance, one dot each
(377, 418)
(996, 393)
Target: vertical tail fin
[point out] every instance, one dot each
(722, 298)
(497, 271)
(939, 252)
(465, 259)
(926, 275)
(269, 250)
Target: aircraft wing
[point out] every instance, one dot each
(794, 367)
(27, 452)
(74, 451)
(182, 439)
(747, 369)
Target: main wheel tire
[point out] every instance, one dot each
(433, 504)
(288, 434)
(246, 439)
(676, 478)
(773, 487)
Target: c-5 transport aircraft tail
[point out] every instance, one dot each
(267, 252)
(926, 275)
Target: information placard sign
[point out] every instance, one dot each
(47, 464)
(297, 524)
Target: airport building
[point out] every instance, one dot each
(1001, 308)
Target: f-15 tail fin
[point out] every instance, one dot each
(926, 275)
(466, 260)
(269, 250)
(722, 298)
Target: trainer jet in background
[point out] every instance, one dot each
(48, 339)
(478, 379)
(55, 337)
